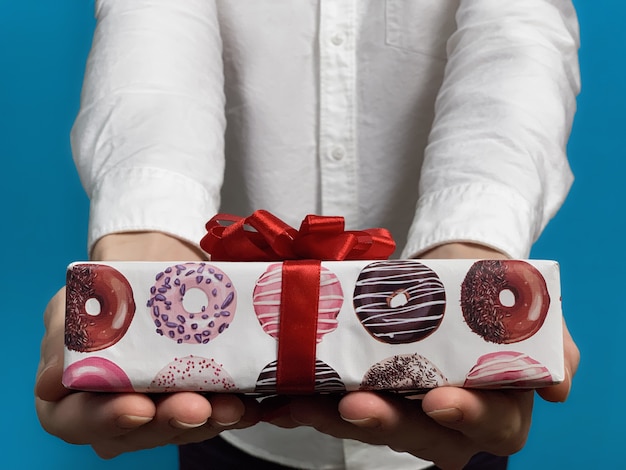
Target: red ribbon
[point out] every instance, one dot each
(264, 237)
(297, 330)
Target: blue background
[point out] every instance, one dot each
(43, 46)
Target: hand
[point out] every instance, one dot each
(447, 427)
(556, 393)
(117, 423)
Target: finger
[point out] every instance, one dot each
(560, 392)
(228, 412)
(183, 418)
(496, 421)
(174, 415)
(385, 420)
(402, 425)
(84, 418)
(322, 413)
(48, 384)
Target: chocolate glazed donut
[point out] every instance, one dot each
(400, 301)
(482, 300)
(96, 328)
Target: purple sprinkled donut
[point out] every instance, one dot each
(192, 302)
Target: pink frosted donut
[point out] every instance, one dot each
(192, 302)
(266, 301)
(192, 373)
(508, 369)
(96, 374)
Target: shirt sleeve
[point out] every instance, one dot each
(495, 169)
(148, 141)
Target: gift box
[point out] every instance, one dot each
(310, 326)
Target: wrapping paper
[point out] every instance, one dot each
(395, 325)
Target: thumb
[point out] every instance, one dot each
(560, 392)
(48, 384)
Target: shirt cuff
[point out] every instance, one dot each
(486, 214)
(150, 199)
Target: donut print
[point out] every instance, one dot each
(96, 374)
(403, 373)
(327, 380)
(100, 307)
(508, 369)
(504, 301)
(267, 294)
(399, 302)
(192, 302)
(195, 374)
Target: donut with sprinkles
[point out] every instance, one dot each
(504, 301)
(403, 373)
(192, 303)
(192, 373)
(100, 307)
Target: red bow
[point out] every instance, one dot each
(264, 237)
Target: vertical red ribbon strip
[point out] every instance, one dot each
(297, 332)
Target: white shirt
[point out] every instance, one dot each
(441, 120)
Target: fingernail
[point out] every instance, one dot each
(223, 424)
(132, 422)
(447, 415)
(182, 425)
(364, 423)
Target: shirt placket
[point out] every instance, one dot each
(337, 126)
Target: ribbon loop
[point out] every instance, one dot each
(264, 237)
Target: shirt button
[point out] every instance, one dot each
(337, 39)
(338, 153)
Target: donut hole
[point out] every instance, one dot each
(195, 300)
(93, 307)
(507, 298)
(398, 299)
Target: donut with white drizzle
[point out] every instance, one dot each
(327, 380)
(204, 321)
(267, 296)
(399, 301)
(508, 369)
